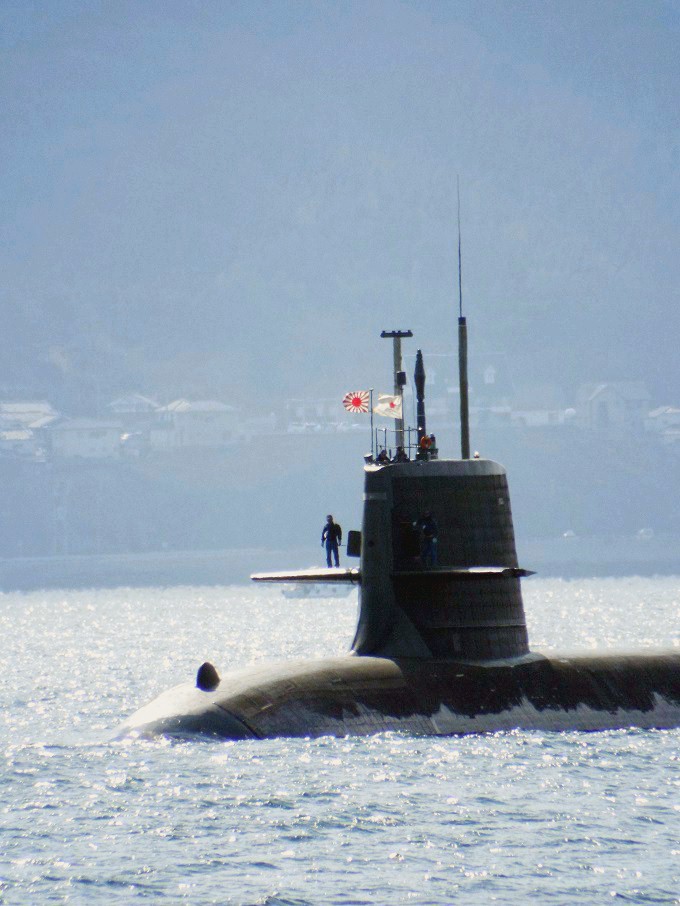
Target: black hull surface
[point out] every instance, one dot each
(359, 696)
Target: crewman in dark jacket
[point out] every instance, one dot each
(428, 539)
(331, 537)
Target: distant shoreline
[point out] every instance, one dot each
(599, 556)
(153, 568)
(568, 558)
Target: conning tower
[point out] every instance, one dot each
(465, 602)
(469, 605)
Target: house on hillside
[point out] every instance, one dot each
(132, 406)
(20, 427)
(664, 421)
(83, 438)
(491, 391)
(492, 380)
(662, 418)
(538, 406)
(487, 416)
(305, 415)
(622, 404)
(136, 414)
(19, 443)
(26, 414)
(200, 423)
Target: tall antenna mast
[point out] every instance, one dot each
(460, 260)
(462, 352)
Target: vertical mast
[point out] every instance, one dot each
(399, 376)
(462, 355)
(419, 380)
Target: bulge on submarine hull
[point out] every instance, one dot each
(441, 645)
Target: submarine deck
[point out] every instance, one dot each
(352, 695)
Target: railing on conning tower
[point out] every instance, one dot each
(387, 439)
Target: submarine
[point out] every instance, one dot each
(441, 646)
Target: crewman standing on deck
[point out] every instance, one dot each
(331, 537)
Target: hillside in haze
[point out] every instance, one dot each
(234, 200)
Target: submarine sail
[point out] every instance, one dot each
(466, 605)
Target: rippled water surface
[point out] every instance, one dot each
(562, 818)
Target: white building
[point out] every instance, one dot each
(21, 424)
(84, 438)
(133, 405)
(26, 414)
(663, 418)
(622, 404)
(305, 415)
(18, 442)
(664, 421)
(201, 423)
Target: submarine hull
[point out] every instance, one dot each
(359, 696)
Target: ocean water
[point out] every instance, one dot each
(563, 818)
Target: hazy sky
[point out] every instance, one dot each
(270, 185)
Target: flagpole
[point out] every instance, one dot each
(372, 447)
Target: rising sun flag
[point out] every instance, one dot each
(356, 401)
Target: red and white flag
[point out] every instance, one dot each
(389, 406)
(356, 401)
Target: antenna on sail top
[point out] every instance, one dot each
(462, 352)
(460, 260)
